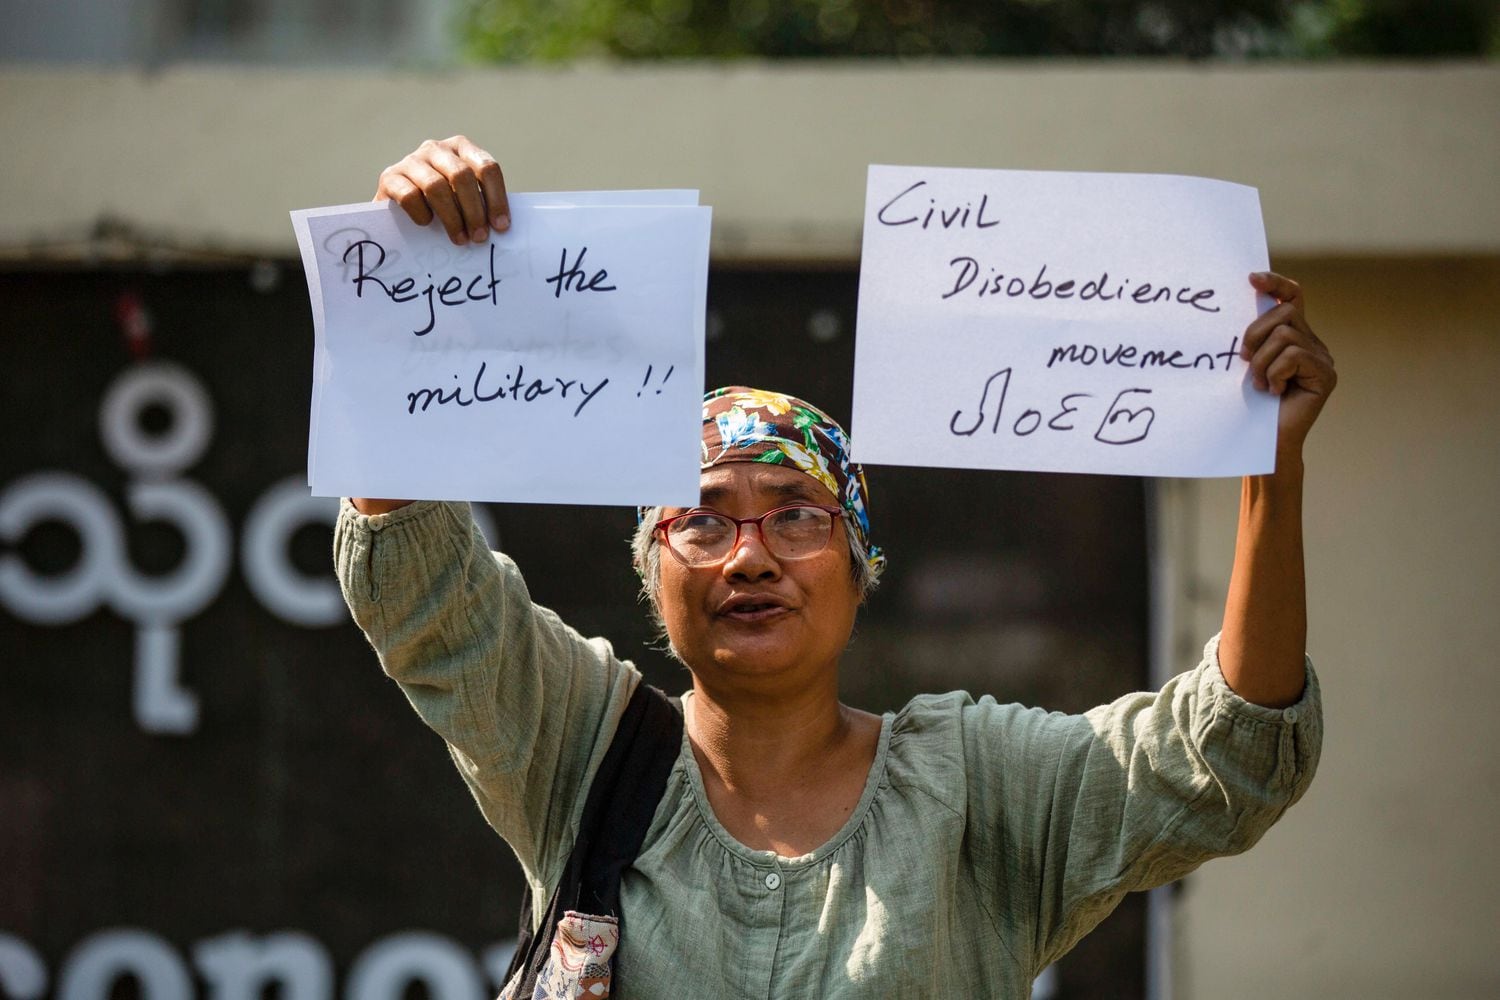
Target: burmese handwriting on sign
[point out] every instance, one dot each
(1120, 424)
(1059, 322)
(482, 372)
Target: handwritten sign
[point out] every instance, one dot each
(1062, 322)
(558, 362)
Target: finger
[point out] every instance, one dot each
(1279, 287)
(491, 180)
(465, 185)
(1286, 314)
(1306, 369)
(397, 187)
(1279, 341)
(440, 197)
(1281, 370)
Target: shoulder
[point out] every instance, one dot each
(955, 736)
(930, 720)
(984, 757)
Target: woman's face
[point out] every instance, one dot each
(753, 616)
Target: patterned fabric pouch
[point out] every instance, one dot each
(579, 966)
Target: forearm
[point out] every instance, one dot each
(456, 628)
(1153, 786)
(411, 582)
(522, 701)
(1263, 646)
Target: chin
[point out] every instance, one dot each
(737, 659)
(750, 663)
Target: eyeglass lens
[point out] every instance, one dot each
(789, 533)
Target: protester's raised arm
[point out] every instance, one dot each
(525, 704)
(1263, 645)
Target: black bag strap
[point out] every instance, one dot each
(621, 803)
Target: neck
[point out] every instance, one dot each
(753, 744)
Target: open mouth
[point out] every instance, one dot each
(752, 609)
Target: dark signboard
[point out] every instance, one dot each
(208, 788)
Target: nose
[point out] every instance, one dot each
(750, 559)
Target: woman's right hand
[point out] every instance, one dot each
(453, 180)
(459, 184)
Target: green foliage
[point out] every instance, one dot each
(1412, 28)
(556, 30)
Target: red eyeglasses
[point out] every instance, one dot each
(706, 538)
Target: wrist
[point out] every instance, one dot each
(1288, 460)
(371, 506)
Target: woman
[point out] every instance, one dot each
(803, 847)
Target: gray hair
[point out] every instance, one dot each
(645, 553)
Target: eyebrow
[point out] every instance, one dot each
(784, 491)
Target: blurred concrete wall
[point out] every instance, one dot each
(1381, 883)
(1379, 184)
(1368, 160)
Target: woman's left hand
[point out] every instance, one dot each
(1288, 360)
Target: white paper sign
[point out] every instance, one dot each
(558, 362)
(1063, 322)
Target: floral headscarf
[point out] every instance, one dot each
(753, 425)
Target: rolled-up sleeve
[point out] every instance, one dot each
(526, 705)
(1137, 793)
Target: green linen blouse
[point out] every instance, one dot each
(988, 840)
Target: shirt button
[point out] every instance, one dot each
(1290, 715)
(773, 881)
